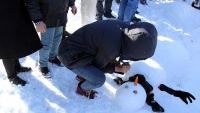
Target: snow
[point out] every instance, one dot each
(175, 62)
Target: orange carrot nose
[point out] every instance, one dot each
(136, 81)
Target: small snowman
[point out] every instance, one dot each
(130, 96)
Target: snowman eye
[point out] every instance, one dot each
(135, 91)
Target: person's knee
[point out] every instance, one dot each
(100, 81)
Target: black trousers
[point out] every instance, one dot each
(11, 65)
(101, 9)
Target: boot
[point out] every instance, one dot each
(56, 61)
(87, 93)
(45, 72)
(17, 81)
(154, 105)
(79, 78)
(23, 69)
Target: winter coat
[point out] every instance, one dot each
(18, 37)
(52, 12)
(103, 41)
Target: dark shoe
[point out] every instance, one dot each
(23, 69)
(91, 94)
(17, 81)
(45, 72)
(137, 12)
(79, 78)
(55, 61)
(135, 20)
(154, 105)
(109, 15)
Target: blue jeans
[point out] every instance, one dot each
(50, 41)
(127, 10)
(95, 78)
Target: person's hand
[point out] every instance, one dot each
(41, 27)
(117, 1)
(184, 96)
(74, 10)
(122, 68)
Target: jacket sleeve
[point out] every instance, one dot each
(33, 7)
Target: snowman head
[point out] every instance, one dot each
(130, 97)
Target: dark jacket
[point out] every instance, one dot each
(103, 41)
(18, 37)
(51, 12)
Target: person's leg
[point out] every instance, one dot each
(107, 6)
(121, 10)
(10, 65)
(99, 10)
(47, 40)
(56, 42)
(130, 10)
(95, 78)
(88, 11)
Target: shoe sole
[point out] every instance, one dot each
(46, 76)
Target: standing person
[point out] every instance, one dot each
(18, 38)
(49, 17)
(88, 8)
(91, 51)
(106, 10)
(74, 11)
(127, 10)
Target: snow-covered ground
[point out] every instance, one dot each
(175, 63)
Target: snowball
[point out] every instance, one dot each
(130, 97)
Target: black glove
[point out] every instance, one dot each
(184, 96)
(119, 81)
(181, 94)
(143, 2)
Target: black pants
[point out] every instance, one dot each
(100, 10)
(11, 65)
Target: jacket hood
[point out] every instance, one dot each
(139, 41)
